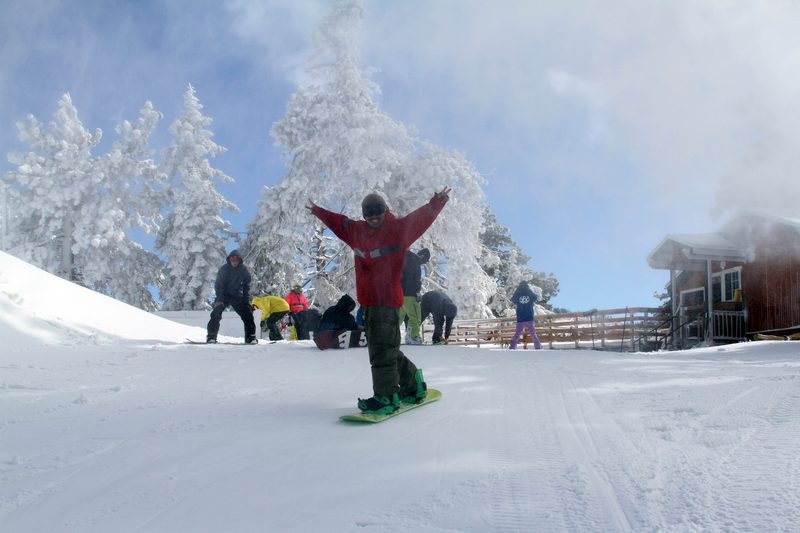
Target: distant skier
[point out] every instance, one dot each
(524, 297)
(443, 310)
(232, 288)
(379, 244)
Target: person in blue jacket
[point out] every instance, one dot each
(524, 298)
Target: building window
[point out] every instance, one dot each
(725, 284)
(693, 297)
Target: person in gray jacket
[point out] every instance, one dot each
(232, 288)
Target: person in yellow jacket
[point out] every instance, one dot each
(273, 309)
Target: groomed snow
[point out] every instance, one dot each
(108, 422)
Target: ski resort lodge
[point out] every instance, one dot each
(735, 284)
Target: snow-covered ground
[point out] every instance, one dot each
(108, 422)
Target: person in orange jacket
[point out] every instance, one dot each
(297, 306)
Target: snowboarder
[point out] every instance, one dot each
(273, 309)
(412, 285)
(232, 288)
(443, 310)
(524, 297)
(379, 244)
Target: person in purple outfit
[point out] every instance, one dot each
(524, 298)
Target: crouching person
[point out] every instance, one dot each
(443, 310)
(273, 309)
(337, 326)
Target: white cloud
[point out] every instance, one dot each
(692, 94)
(279, 30)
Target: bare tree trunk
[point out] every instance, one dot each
(67, 258)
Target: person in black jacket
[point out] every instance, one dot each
(336, 320)
(443, 310)
(232, 288)
(339, 316)
(412, 285)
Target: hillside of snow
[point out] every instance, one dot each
(109, 422)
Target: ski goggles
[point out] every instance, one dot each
(373, 210)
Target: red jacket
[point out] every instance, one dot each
(297, 302)
(380, 252)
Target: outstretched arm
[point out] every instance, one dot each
(336, 222)
(419, 220)
(443, 195)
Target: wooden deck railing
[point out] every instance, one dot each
(635, 328)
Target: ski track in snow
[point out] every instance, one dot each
(138, 437)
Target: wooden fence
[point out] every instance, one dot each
(635, 328)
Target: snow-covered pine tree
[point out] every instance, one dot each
(53, 186)
(8, 198)
(73, 211)
(505, 262)
(194, 234)
(454, 238)
(340, 146)
(127, 198)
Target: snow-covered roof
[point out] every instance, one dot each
(690, 251)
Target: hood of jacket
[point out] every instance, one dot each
(346, 304)
(234, 253)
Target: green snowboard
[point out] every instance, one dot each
(371, 418)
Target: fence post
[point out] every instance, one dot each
(576, 332)
(603, 331)
(624, 323)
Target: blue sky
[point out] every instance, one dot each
(600, 126)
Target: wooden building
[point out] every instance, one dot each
(751, 270)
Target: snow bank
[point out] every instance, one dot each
(40, 308)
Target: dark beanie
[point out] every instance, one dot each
(373, 198)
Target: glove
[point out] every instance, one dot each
(443, 195)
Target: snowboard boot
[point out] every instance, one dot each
(419, 394)
(211, 340)
(251, 340)
(413, 340)
(379, 405)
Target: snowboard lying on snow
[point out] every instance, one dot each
(190, 341)
(371, 418)
(340, 338)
